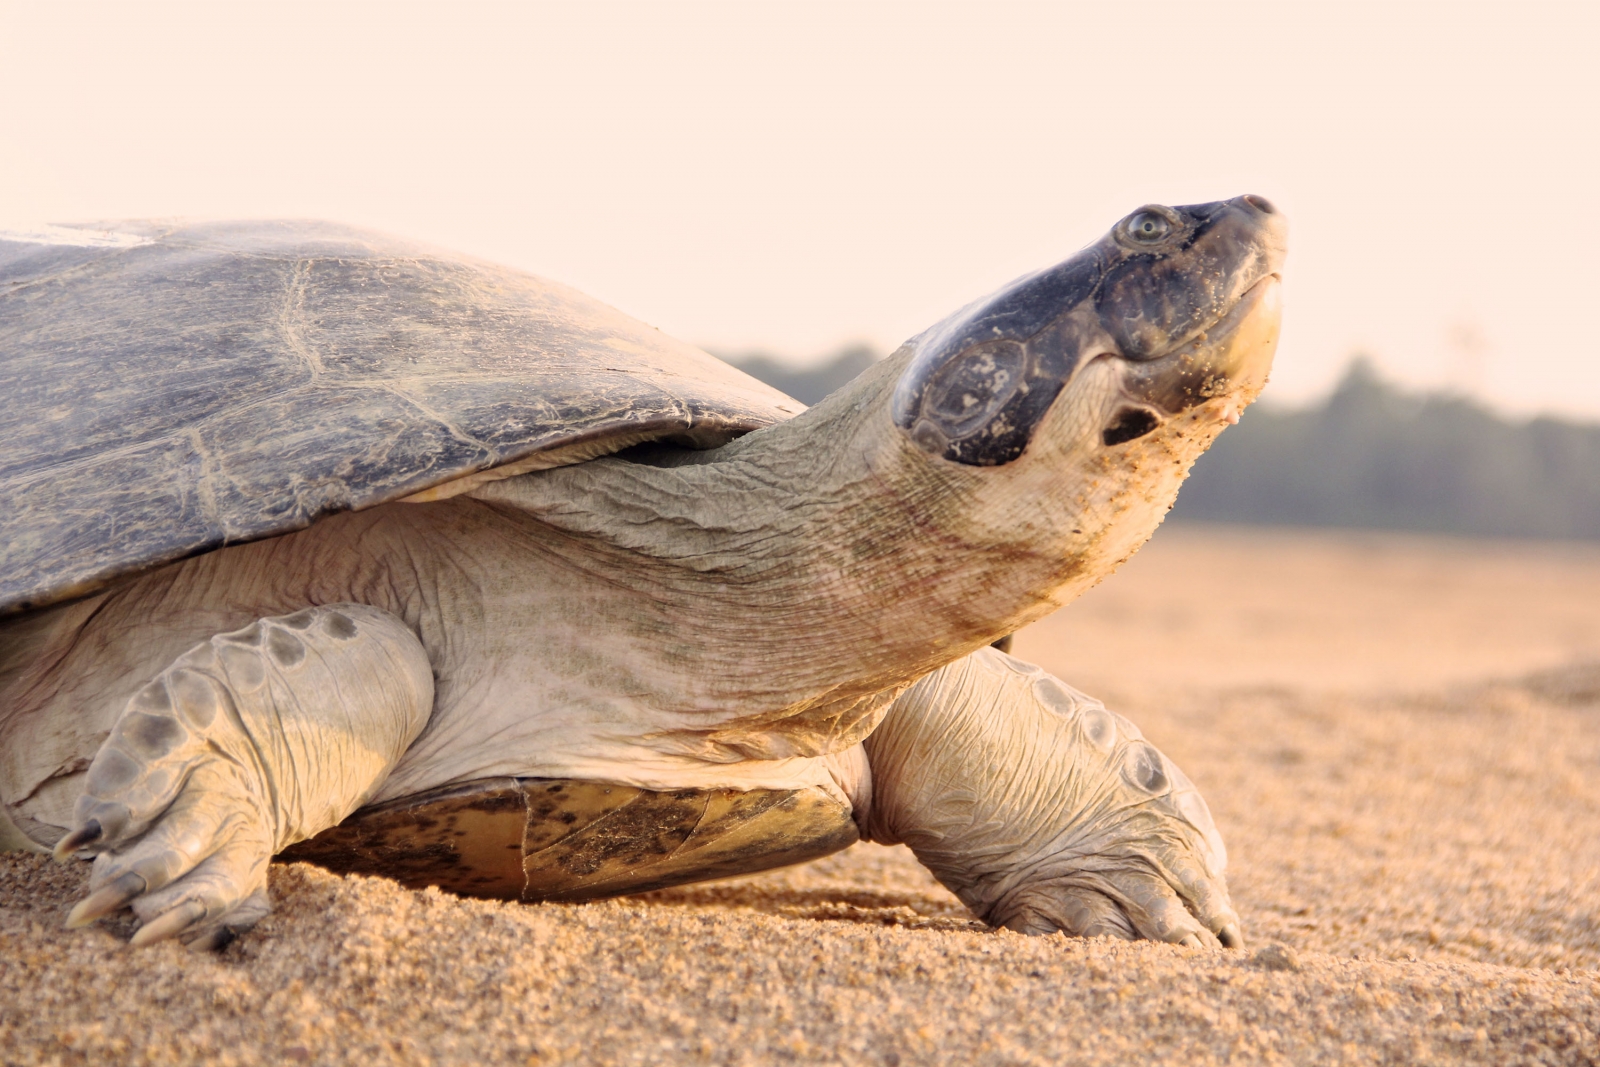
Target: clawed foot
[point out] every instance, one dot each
(246, 744)
(173, 804)
(1140, 856)
(1044, 811)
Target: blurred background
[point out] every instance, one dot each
(800, 187)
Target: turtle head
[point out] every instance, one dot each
(1174, 310)
(1050, 425)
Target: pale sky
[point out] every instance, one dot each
(793, 177)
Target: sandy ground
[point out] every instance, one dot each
(1400, 739)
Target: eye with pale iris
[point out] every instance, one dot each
(1148, 227)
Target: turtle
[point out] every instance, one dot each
(324, 545)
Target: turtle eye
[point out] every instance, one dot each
(1148, 227)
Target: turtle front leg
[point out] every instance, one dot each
(248, 743)
(1043, 811)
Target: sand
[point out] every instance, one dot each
(1399, 737)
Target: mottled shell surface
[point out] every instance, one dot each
(168, 390)
(537, 839)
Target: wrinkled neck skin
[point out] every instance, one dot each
(801, 576)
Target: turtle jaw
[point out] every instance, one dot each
(1107, 460)
(1223, 368)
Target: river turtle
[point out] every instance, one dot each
(324, 545)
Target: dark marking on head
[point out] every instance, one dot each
(983, 380)
(1129, 424)
(285, 649)
(981, 383)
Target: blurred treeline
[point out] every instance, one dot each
(806, 384)
(1370, 455)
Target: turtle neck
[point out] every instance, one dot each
(803, 575)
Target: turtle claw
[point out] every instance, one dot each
(106, 900)
(214, 936)
(213, 940)
(171, 806)
(158, 877)
(88, 834)
(1230, 936)
(169, 924)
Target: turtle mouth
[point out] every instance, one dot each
(1128, 424)
(1228, 360)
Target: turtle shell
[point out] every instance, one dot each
(168, 390)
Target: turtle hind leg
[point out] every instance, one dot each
(1044, 811)
(246, 743)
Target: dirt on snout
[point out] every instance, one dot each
(1399, 738)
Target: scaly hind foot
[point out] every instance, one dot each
(246, 744)
(1043, 811)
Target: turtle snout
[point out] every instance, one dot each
(1271, 231)
(1231, 358)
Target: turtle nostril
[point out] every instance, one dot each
(1261, 204)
